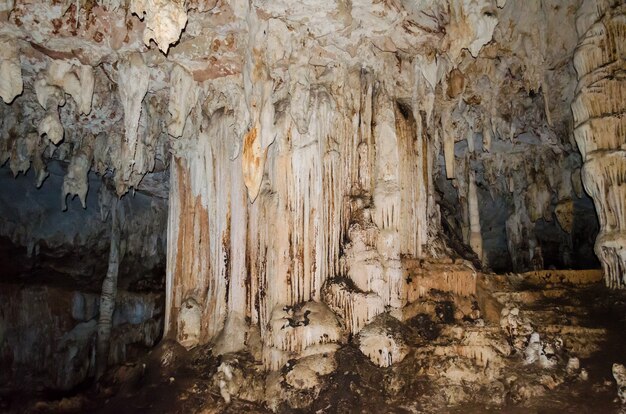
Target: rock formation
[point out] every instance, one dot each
(600, 126)
(309, 179)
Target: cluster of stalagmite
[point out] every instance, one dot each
(599, 110)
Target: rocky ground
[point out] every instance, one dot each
(544, 342)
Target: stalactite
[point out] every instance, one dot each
(38, 162)
(205, 180)
(448, 144)
(50, 98)
(22, 152)
(366, 144)
(77, 81)
(599, 115)
(76, 181)
(183, 96)
(470, 140)
(132, 85)
(475, 239)
(282, 249)
(487, 135)
(423, 101)
(520, 241)
(252, 162)
(300, 93)
(165, 20)
(150, 130)
(470, 27)
(258, 86)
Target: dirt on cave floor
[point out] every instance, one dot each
(588, 321)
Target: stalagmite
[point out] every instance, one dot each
(383, 342)
(109, 293)
(476, 239)
(356, 308)
(619, 373)
(11, 84)
(599, 110)
(295, 332)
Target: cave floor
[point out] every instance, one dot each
(441, 373)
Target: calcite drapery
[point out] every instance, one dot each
(244, 260)
(599, 110)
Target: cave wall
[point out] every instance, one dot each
(75, 242)
(53, 264)
(534, 211)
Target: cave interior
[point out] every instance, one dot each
(323, 206)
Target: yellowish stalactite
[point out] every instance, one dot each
(448, 144)
(476, 239)
(253, 162)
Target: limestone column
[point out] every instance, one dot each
(599, 110)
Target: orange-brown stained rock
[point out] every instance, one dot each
(253, 161)
(217, 69)
(456, 83)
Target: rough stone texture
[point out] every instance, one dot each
(49, 334)
(382, 342)
(11, 83)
